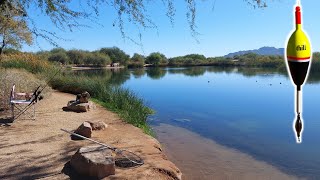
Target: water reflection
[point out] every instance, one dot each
(156, 73)
(113, 76)
(120, 76)
(192, 71)
(137, 73)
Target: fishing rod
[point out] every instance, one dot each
(36, 95)
(298, 62)
(129, 155)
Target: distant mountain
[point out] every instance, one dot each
(261, 51)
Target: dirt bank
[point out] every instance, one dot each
(39, 149)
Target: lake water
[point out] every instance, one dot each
(251, 110)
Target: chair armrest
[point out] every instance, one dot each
(21, 94)
(25, 96)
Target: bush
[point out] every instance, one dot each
(60, 57)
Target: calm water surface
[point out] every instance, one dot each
(251, 110)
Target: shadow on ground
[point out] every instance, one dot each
(5, 121)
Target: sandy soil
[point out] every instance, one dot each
(201, 158)
(40, 150)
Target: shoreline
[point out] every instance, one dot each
(91, 67)
(216, 161)
(39, 149)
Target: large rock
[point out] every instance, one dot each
(83, 97)
(84, 129)
(98, 125)
(79, 107)
(94, 161)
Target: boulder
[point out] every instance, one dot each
(83, 97)
(98, 125)
(84, 129)
(79, 107)
(72, 102)
(82, 107)
(94, 161)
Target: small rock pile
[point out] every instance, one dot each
(81, 104)
(86, 128)
(93, 161)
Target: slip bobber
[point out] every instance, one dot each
(298, 55)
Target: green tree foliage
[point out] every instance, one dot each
(137, 60)
(11, 51)
(97, 59)
(250, 59)
(57, 50)
(188, 60)
(76, 57)
(157, 59)
(59, 56)
(116, 55)
(14, 30)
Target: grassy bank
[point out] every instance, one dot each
(122, 101)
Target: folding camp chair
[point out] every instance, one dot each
(22, 105)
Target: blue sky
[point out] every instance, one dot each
(230, 27)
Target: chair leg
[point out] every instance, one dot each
(34, 111)
(12, 111)
(24, 111)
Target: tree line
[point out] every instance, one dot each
(109, 56)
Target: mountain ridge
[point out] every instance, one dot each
(266, 50)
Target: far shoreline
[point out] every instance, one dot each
(93, 67)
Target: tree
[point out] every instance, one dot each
(59, 55)
(13, 28)
(76, 56)
(98, 59)
(11, 51)
(66, 17)
(137, 60)
(116, 55)
(156, 59)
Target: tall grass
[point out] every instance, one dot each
(27, 61)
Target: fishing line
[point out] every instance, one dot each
(124, 158)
